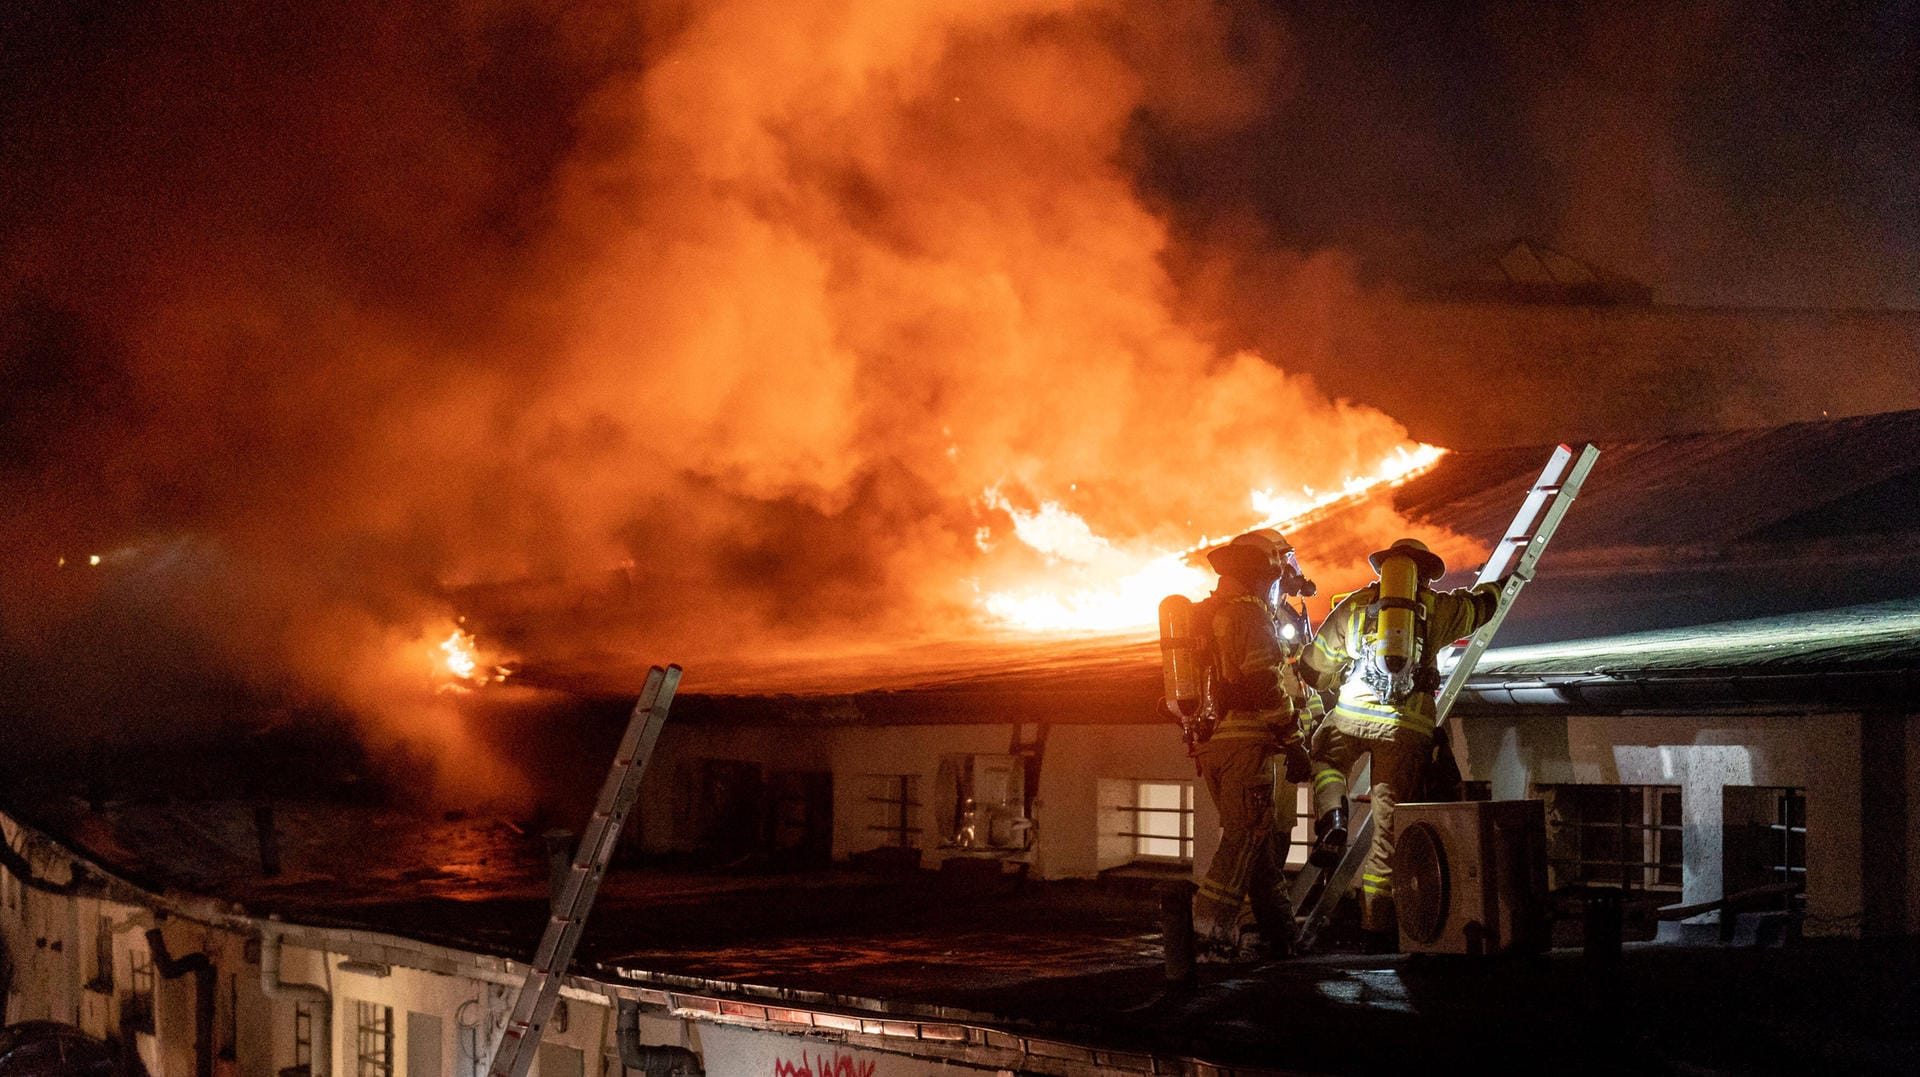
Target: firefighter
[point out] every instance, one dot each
(1254, 754)
(1380, 646)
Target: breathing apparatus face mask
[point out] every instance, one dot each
(1292, 581)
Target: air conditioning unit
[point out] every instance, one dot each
(1471, 878)
(981, 803)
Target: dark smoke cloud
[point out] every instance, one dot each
(1723, 153)
(713, 327)
(720, 327)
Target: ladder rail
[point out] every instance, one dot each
(519, 1040)
(1469, 656)
(1514, 560)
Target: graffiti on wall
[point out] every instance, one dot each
(836, 1065)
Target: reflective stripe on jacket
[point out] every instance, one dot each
(1450, 615)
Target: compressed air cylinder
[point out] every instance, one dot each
(1399, 594)
(1180, 653)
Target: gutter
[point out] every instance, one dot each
(1602, 691)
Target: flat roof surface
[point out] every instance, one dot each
(1884, 634)
(1072, 960)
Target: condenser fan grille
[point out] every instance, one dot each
(1420, 883)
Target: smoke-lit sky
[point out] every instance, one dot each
(1724, 153)
(783, 314)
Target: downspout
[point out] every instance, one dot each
(201, 967)
(321, 1064)
(654, 1061)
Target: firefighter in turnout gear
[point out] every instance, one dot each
(1254, 753)
(1380, 647)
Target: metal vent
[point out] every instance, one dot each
(1420, 884)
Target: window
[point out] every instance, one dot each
(102, 981)
(1614, 835)
(302, 1042)
(1160, 821)
(893, 804)
(138, 1009)
(373, 1040)
(1764, 841)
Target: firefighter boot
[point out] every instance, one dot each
(1330, 838)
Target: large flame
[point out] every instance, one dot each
(1111, 589)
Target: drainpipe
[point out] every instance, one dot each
(321, 1064)
(172, 968)
(654, 1061)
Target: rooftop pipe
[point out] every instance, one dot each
(654, 1061)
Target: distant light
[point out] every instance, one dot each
(93, 560)
(62, 563)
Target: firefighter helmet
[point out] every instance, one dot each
(1253, 558)
(1431, 566)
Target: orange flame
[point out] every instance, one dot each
(459, 667)
(1114, 590)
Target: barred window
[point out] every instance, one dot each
(1764, 840)
(1160, 821)
(373, 1039)
(302, 1041)
(1627, 836)
(137, 1011)
(893, 802)
(102, 956)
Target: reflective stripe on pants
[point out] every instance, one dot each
(1246, 872)
(1399, 773)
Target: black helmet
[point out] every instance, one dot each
(1255, 558)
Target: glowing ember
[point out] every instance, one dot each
(459, 666)
(1098, 586)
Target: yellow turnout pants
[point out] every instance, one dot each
(1399, 773)
(1246, 873)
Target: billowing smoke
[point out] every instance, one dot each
(714, 329)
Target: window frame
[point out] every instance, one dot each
(372, 1039)
(142, 985)
(1133, 828)
(1639, 821)
(899, 812)
(102, 982)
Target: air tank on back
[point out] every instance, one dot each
(1399, 597)
(1180, 654)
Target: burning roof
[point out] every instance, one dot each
(1669, 534)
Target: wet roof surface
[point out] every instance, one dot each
(1074, 960)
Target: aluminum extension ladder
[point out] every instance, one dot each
(1317, 892)
(520, 1039)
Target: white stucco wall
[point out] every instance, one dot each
(1067, 808)
(859, 752)
(1078, 758)
(1700, 755)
